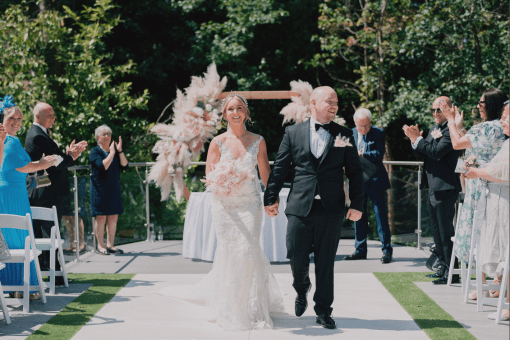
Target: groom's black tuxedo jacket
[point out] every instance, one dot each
(440, 160)
(38, 143)
(294, 153)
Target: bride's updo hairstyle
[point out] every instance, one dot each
(244, 103)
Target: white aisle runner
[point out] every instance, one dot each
(363, 309)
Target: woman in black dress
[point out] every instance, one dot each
(106, 159)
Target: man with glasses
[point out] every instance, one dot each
(440, 160)
(37, 143)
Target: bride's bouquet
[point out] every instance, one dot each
(466, 162)
(226, 178)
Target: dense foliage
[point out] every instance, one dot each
(120, 62)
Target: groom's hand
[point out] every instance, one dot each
(271, 210)
(353, 214)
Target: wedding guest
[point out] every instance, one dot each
(106, 159)
(482, 142)
(4, 249)
(440, 160)
(370, 143)
(494, 234)
(13, 191)
(38, 143)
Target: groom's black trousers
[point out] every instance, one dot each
(319, 232)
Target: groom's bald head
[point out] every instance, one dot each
(324, 104)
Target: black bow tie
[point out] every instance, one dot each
(324, 126)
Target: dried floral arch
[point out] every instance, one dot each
(195, 122)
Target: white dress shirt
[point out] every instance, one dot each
(416, 141)
(318, 139)
(42, 127)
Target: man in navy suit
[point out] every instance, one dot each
(371, 145)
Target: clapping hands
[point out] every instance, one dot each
(75, 150)
(47, 161)
(412, 132)
(3, 134)
(118, 145)
(451, 113)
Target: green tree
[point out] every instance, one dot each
(64, 62)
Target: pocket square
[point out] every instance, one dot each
(342, 142)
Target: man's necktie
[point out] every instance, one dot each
(324, 126)
(362, 142)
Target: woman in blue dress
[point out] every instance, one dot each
(106, 160)
(13, 191)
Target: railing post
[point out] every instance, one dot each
(418, 231)
(147, 208)
(76, 221)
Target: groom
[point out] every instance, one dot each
(315, 153)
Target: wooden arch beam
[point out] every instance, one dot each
(262, 94)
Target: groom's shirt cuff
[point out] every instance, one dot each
(416, 141)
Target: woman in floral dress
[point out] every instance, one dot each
(482, 141)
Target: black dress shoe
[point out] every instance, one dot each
(438, 274)
(301, 303)
(444, 280)
(386, 258)
(355, 256)
(326, 321)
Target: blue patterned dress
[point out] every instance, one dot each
(14, 201)
(486, 140)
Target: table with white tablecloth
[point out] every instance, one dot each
(199, 238)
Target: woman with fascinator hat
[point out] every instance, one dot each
(15, 165)
(240, 291)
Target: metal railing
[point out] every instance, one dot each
(150, 226)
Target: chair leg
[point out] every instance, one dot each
(63, 266)
(39, 279)
(479, 288)
(5, 311)
(26, 286)
(52, 271)
(503, 291)
(463, 275)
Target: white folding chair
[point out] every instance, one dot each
(462, 270)
(502, 304)
(25, 256)
(477, 282)
(3, 304)
(53, 243)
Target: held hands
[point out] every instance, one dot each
(412, 132)
(272, 210)
(353, 214)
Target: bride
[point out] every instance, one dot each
(240, 291)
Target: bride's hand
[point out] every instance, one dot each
(272, 210)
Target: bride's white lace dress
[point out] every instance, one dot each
(240, 291)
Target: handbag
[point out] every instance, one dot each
(36, 181)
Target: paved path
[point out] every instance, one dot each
(363, 309)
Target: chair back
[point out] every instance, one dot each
(2, 266)
(45, 214)
(14, 222)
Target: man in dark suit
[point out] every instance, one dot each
(316, 153)
(371, 145)
(440, 160)
(37, 143)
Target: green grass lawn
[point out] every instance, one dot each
(426, 313)
(75, 315)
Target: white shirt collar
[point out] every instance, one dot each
(42, 127)
(312, 124)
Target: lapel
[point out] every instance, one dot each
(306, 133)
(331, 137)
(355, 136)
(367, 138)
